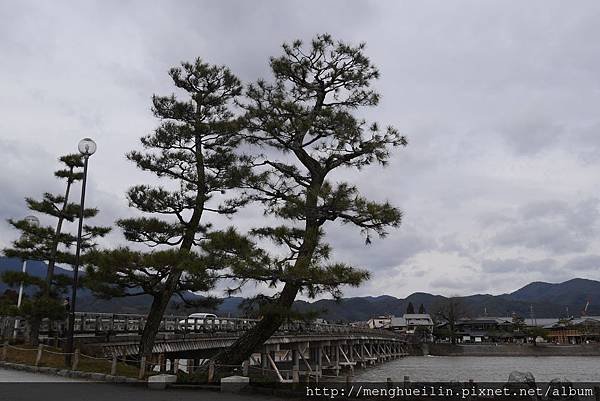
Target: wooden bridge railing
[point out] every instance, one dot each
(120, 323)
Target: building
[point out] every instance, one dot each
(415, 320)
(409, 323)
(398, 324)
(486, 329)
(380, 322)
(573, 330)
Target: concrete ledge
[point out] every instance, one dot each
(160, 382)
(75, 374)
(514, 350)
(234, 384)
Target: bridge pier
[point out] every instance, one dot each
(296, 358)
(317, 357)
(264, 362)
(337, 359)
(373, 353)
(162, 364)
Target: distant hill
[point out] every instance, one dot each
(35, 268)
(568, 293)
(546, 299)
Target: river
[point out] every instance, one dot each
(483, 369)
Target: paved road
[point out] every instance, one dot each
(17, 376)
(25, 386)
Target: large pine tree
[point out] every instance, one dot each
(194, 153)
(308, 117)
(51, 244)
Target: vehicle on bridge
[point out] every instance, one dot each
(199, 319)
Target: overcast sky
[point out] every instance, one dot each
(499, 100)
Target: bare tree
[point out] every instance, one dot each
(449, 311)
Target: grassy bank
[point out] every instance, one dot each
(54, 358)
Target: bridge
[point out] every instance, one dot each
(298, 349)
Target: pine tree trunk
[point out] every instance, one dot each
(34, 331)
(160, 303)
(251, 340)
(155, 315)
(52, 261)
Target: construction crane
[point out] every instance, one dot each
(584, 311)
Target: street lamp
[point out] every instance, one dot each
(33, 222)
(87, 147)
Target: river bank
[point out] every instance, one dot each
(27, 386)
(483, 369)
(510, 350)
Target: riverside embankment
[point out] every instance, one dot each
(510, 350)
(27, 386)
(482, 369)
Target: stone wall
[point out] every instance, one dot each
(97, 377)
(513, 350)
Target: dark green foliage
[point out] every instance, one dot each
(51, 244)
(124, 272)
(194, 149)
(535, 331)
(422, 309)
(410, 308)
(422, 334)
(308, 114)
(518, 323)
(39, 306)
(37, 243)
(194, 146)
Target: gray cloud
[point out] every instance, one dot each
(583, 263)
(381, 254)
(532, 133)
(544, 235)
(540, 209)
(511, 266)
(17, 178)
(551, 225)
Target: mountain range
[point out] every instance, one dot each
(542, 299)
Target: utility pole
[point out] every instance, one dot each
(532, 315)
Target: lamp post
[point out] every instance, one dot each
(33, 222)
(87, 147)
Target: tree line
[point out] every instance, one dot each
(221, 145)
